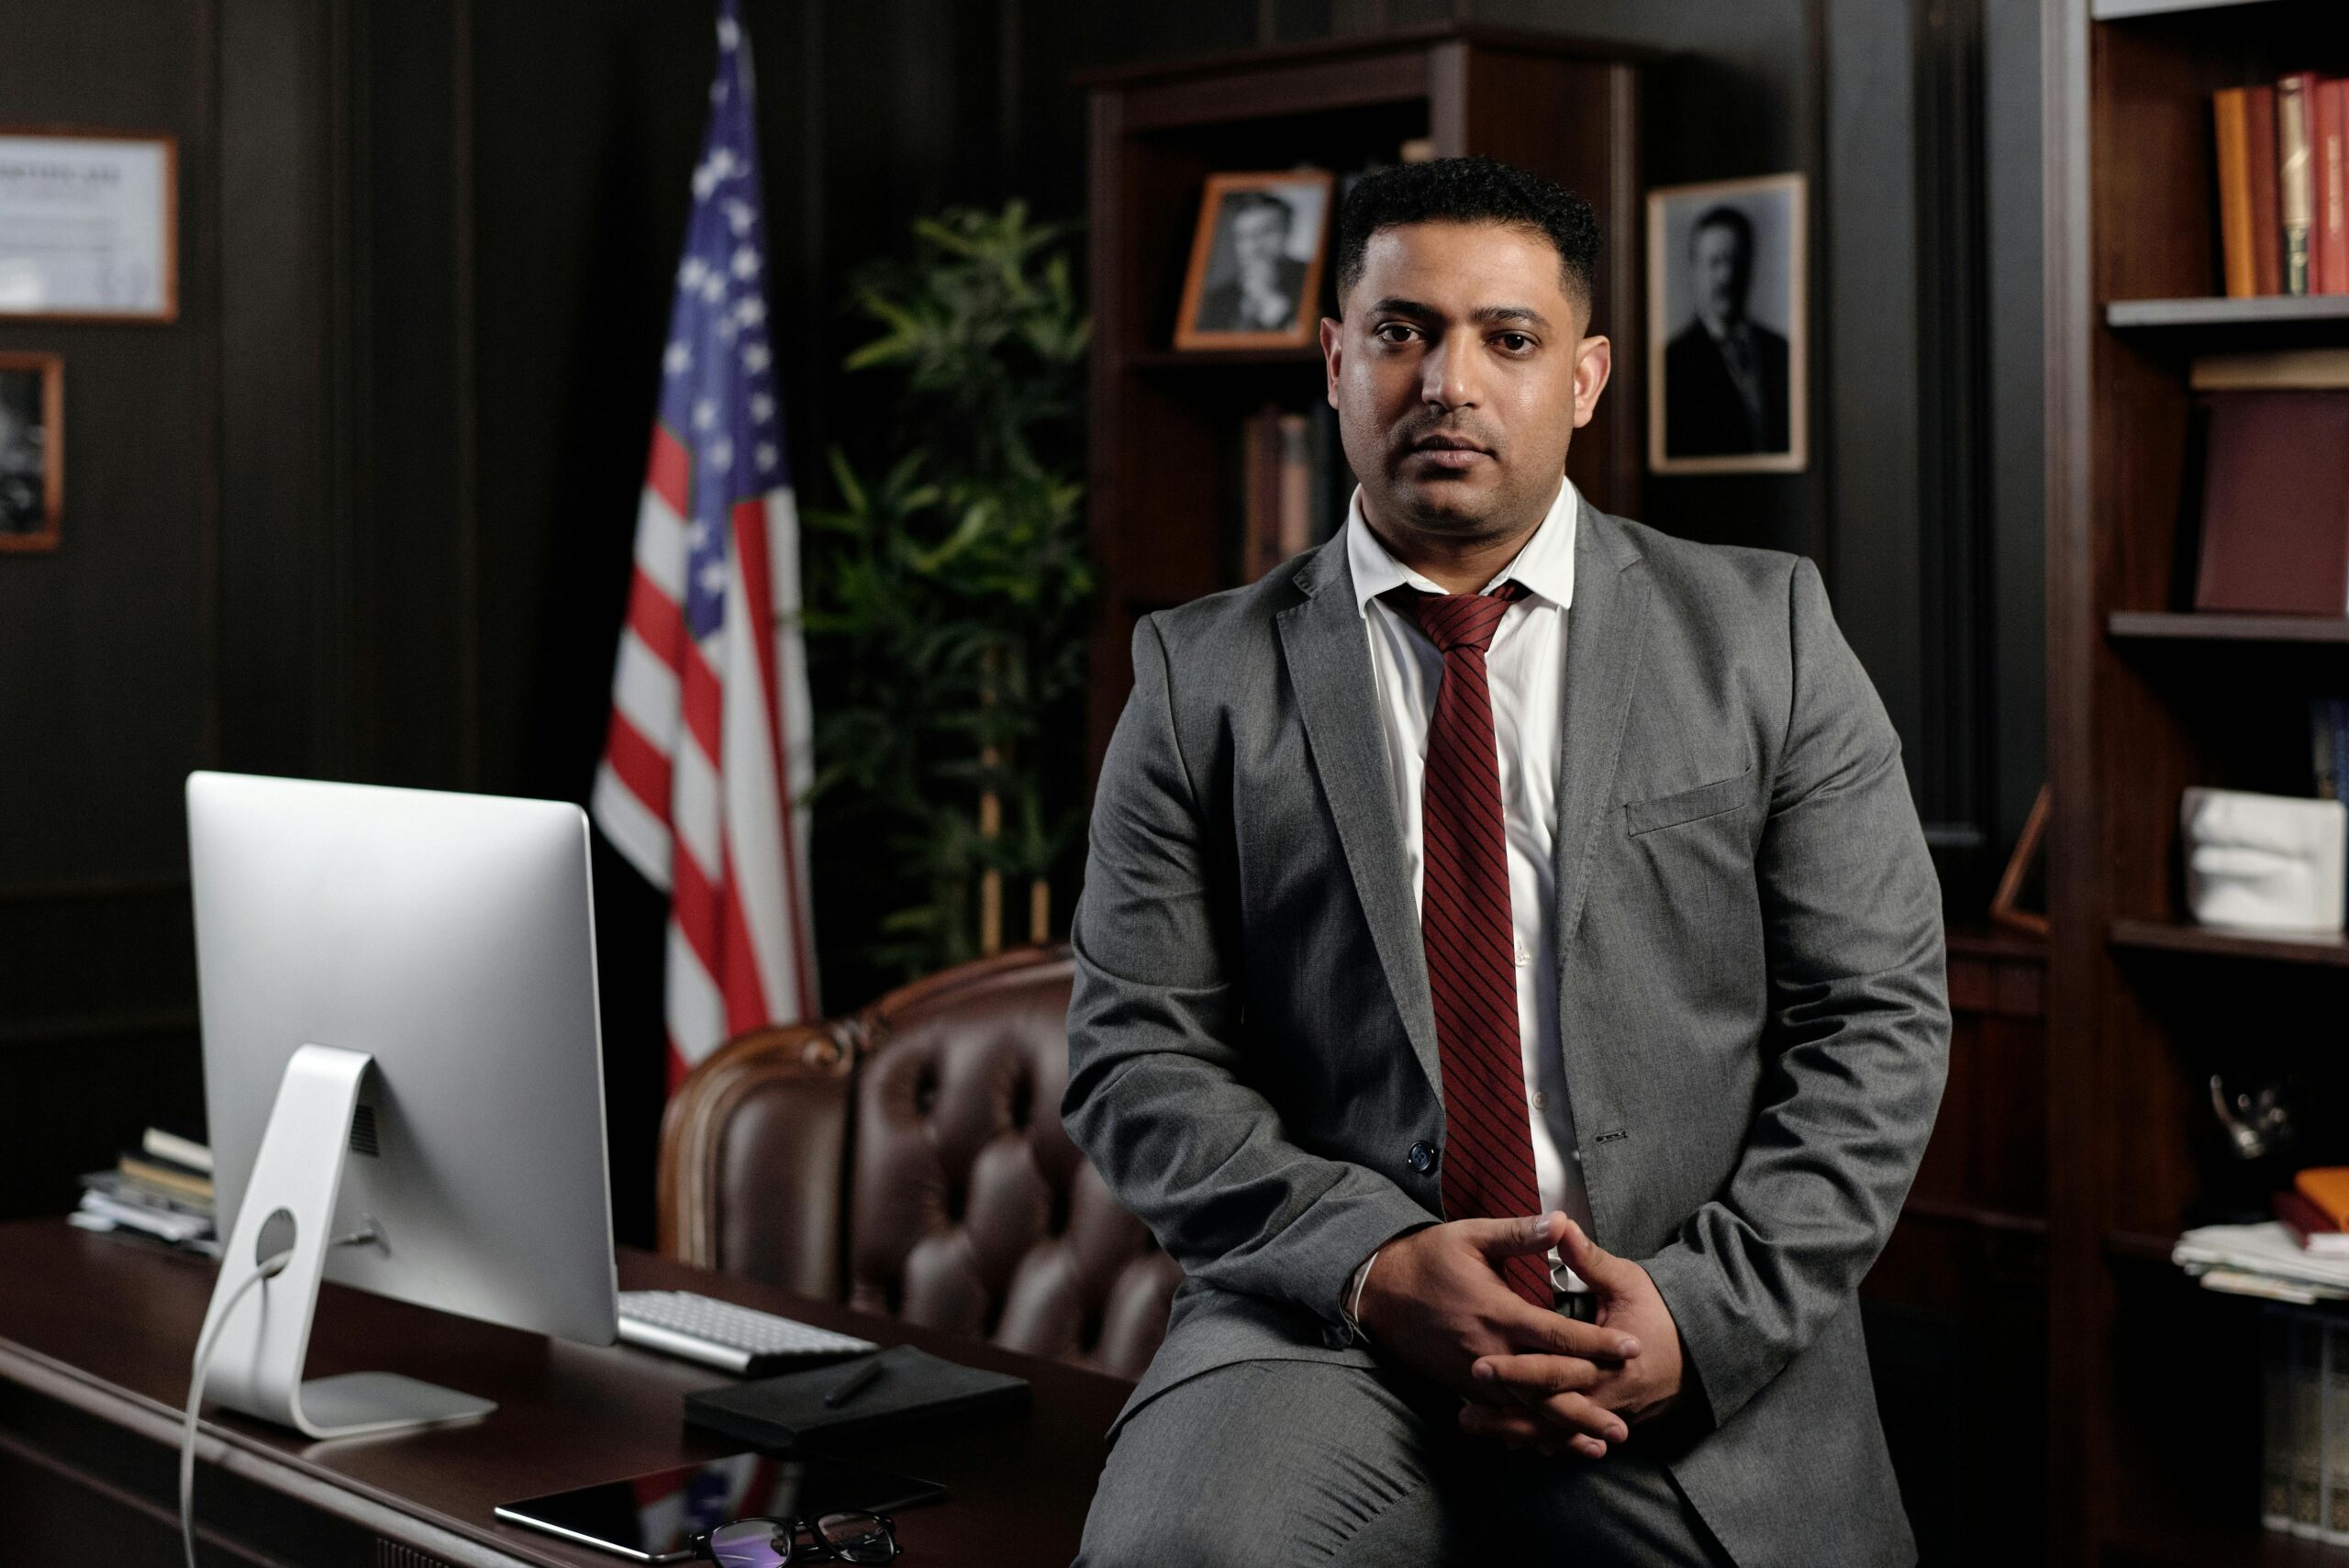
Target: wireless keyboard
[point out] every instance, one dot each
(733, 1338)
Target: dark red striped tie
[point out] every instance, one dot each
(1471, 942)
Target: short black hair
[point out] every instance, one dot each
(1469, 190)
(1728, 217)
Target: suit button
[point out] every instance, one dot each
(1422, 1157)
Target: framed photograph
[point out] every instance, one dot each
(89, 225)
(32, 449)
(1255, 275)
(1727, 338)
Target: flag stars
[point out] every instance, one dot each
(740, 218)
(706, 414)
(750, 310)
(713, 288)
(679, 358)
(721, 454)
(755, 357)
(746, 262)
(730, 33)
(768, 457)
(762, 407)
(697, 536)
(712, 578)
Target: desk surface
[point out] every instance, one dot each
(97, 1331)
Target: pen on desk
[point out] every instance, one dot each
(854, 1383)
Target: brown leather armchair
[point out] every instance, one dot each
(909, 1159)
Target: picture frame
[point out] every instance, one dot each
(32, 451)
(1254, 279)
(89, 225)
(1729, 337)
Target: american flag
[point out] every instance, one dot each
(708, 763)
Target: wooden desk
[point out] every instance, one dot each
(96, 1335)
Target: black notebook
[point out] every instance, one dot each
(779, 1412)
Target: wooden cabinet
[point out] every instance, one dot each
(2154, 1435)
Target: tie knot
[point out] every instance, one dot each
(1461, 620)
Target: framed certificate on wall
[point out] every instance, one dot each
(88, 226)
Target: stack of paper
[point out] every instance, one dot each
(2260, 1259)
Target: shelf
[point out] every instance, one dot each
(1220, 359)
(2263, 310)
(2158, 626)
(2123, 10)
(2140, 1545)
(2161, 936)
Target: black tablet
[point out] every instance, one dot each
(652, 1518)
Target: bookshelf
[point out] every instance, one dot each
(1164, 422)
(2153, 1421)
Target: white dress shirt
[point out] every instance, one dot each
(1525, 669)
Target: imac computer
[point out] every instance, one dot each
(402, 1074)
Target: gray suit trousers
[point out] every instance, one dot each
(1270, 1464)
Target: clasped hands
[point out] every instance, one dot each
(1436, 1303)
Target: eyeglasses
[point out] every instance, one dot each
(773, 1542)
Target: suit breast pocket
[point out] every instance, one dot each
(1689, 805)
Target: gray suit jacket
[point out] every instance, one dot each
(1752, 1018)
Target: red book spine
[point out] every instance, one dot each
(2266, 223)
(2333, 184)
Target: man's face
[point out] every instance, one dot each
(1257, 235)
(1460, 374)
(1717, 253)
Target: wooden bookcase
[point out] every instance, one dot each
(2154, 1433)
(1163, 419)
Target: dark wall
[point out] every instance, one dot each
(365, 511)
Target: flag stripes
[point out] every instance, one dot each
(706, 756)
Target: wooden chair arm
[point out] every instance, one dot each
(802, 1073)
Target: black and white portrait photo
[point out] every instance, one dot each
(32, 482)
(1726, 292)
(1255, 273)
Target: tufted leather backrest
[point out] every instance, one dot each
(910, 1160)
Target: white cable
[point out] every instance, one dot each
(269, 1268)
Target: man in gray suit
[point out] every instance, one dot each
(1509, 982)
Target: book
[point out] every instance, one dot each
(2266, 229)
(2275, 503)
(1294, 514)
(2275, 1419)
(181, 1151)
(2228, 110)
(2327, 1188)
(1260, 487)
(2334, 1526)
(914, 1387)
(2315, 370)
(2295, 177)
(2331, 139)
(2309, 1373)
(170, 1178)
(2310, 1227)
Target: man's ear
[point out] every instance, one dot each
(1594, 362)
(1333, 348)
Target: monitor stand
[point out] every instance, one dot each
(257, 1354)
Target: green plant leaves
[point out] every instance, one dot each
(949, 597)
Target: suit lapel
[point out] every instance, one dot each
(1329, 660)
(1606, 629)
